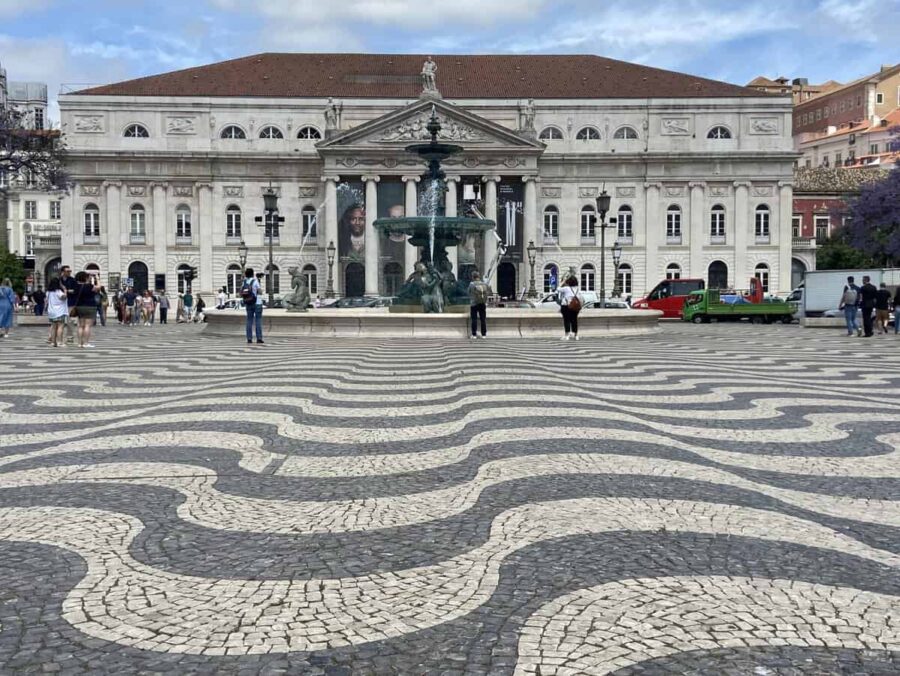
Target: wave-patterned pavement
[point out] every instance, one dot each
(710, 499)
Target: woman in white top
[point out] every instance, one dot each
(221, 298)
(57, 311)
(564, 296)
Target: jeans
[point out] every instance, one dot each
(163, 315)
(897, 320)
(101, 313)
(478, 312)
(254, 315)
(867, 320)
(850, 318)
(570, 320)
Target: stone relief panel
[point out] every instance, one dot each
(137, 190)
(90, 190)
(764, 125)
(308, 190)
(181, 124)
(587, 192)
(718, 190)
(183, 190)
(625, 191)
(414, 129)
(89, 124)
(674, 190)
(675, 126)
(548, 191)
(263, 189)
(233, 190)
(762, 190)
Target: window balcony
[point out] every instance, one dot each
(48, 242)
(762, 239)
(673, 240)
(626, 240)
(137, 239)
(182, 240)
(232, 240)
(588, 241)
(803, 243)
(549, 239)
(275, 241)
(92, 239)
(717, 239)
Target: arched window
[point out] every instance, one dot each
(233, 222)
(551, 277)
(719, 132)
(626, 133)
(312, 278)
(233, 279)
(308, 217)
(551, 134)
(588, 134)
(551, 223)
(274, 280)
(182, 224)
(624, 220)
(762, 274)
(136, 131)
(717, 275)
(393, 278)
(309, 134)
(92, 267)
(673, 271)
(762, 222)
(588, 222)
(180, 281)
(587, 277)
(717, 223)
(138, 224)
(91, 221)
(270, 132)
(673, 223)
(625, 278)
(233, 131)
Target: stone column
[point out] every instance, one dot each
(205, 234)
(533, 227)
(160, 231)
(372, 242)
(331, 227)
(72, 231)
(490, 212)
(411, 209)
(784, 237)
(739, 278)
(697, 236)
(452, 210)
(654, 230)
(15, 207)
(113, 227)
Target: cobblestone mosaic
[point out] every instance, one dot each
(707, 500)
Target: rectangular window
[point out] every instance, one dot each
(879, 98)
(309, 225)
(858, 100)
(796, 225)
(30, 209)
(55, 210)
(137, 224)
(183, 224)
(673, 223)
(551, 224)
(588, 230)
(762, 223)
(838, 158)
(852, 156)
(233, 224)
(717, 223)
(873, 149)
(29, 245)
(625, 225)
(821, 224)
(29, 179)
(808, 163)
(825, 162)
(38, 118)
(91, 223)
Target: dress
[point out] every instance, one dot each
(7, 302)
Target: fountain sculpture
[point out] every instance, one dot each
(433, 285)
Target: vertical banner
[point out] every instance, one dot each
(510, 217)
(470, 203)
(391, 204)
(351, 209)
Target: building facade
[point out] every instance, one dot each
(170, 171)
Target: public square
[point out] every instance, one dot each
(714, 499)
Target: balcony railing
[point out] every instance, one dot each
(232, 241)
(275, 241)
(137, 239)
(717, 239)
(763, 239)
(673, 239)
(549, 239)
(803, 242)
(183, 240)
(50, 242)
(588, 241)
(625, 240)
(92, 239)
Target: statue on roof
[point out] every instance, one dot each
(429, 78)
(332, 115)
(527, 116)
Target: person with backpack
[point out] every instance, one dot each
(849, 304)
(867, 294)
(478, 297)
(253, 304)
(569, 305)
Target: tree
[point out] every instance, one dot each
(35, 153)
(11, 267)
(836, 254)
(874, 220)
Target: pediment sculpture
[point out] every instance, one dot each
(414, 129)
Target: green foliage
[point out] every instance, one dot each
(11, 266)
(836, 254)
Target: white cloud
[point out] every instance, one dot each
(11, 8)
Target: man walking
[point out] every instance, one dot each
(188, 301)
(163, 307)
(39, 298)
(478, 295)
(253, 304)
(867, 295)
(882, 308)
(71, 287)
(849, 304)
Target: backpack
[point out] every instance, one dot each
(247, 294)
(575, 303)
(850, 297)
(480, 293)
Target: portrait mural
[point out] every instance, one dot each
(392, 204)
(351, 209)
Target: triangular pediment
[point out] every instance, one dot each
(408, 125)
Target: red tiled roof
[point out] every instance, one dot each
(397, 76)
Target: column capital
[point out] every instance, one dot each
(742, 184)
(488, 179)
(204, 185)
(696, 184)
(159, 184)
(656, 185)
(336, 179)
(112, 184)
(785, 184)
(371, 177)
(407, 179)
(535, 179)
(455, 178)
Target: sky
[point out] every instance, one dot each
(77, 42)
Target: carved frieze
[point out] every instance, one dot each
(181, 124)
(675, 126)
(762, 190)
(718, 190)
(415, 129)
(674, 190)
(764, 125)
(587, 192)
(625, 191)
(137, 190)
(90, 190)
(233, 191)
(264, 189)
(183, 190)
(308, 190)
(89, 124)
(548, 191)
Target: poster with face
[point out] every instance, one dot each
(510, 217)
(392, 204)
(351, 209)
(470, 203)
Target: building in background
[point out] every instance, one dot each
(799, 88)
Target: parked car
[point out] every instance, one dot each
(522, 304)
(608, 304)
(549, 300)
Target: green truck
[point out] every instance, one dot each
(704, 305)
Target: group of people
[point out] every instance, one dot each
(134, 308)
(874, 303)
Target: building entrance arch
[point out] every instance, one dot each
(506, 280)
(717, 275)
(798, 272)
(354, 280)
(139, 275)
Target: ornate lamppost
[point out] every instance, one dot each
(531, 249)
(616, 256)
(603, 200)
(270, 220)
(242, 255)
(329, 285)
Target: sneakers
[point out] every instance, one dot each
(484, 337)
(88, 345)
(858, 333)
(565, 337)
(473, 337)
(260, 342)
(576, 337)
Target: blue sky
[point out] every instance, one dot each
(96, 41)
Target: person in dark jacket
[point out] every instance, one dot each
(867, 295)
(882, 308)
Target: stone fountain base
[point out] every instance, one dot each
(379, 323)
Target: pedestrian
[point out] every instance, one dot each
(86, 307)
(103, 307)
(57, 311)
(155, 300)
(130, 300)
(71, 286)
(147, 307)
(40, 299)
(897, 311)
(569, 305)
(221, 298)
(253, 304)
(849, 303)
(188, 305)
(882, 308)
(7, 307)
(867, 294)
(163, 307)
(478, 296)
(198, 310)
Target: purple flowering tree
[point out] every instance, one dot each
(874, 220)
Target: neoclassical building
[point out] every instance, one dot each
(170, 170)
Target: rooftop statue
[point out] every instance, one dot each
(429, 80)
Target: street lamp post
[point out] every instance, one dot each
(617, 256)
(242, 255)
(603, 200)
(531, 249)
(329, 286)
(270, 220)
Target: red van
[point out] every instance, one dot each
(669, 296)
